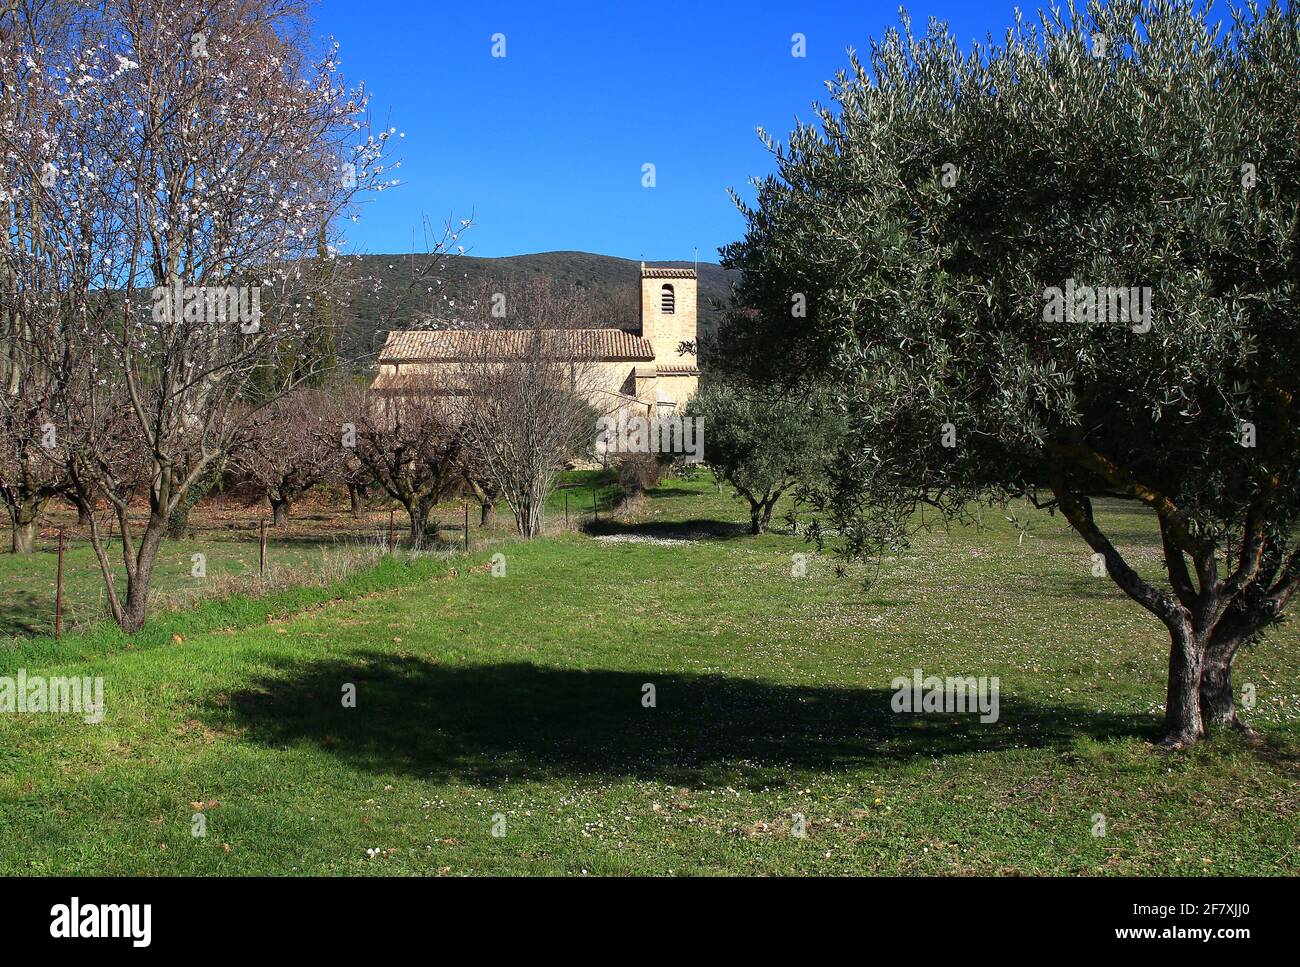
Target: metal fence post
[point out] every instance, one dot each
(58, 592)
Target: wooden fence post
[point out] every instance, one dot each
(261, 547)
(566, 509)
(594, 509)
(466, 528)
(391, 512)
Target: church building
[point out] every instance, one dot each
(642, 372)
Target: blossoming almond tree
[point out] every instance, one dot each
(219, 147)
(38, 245)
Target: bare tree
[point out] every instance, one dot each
(411, 445)
(483, 485)
(341, 400)
(31, 468)
(356, 478)
(528, 409)
(287, 449)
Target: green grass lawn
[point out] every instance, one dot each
(515, 703)
(27, 582)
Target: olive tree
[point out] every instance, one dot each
(765, 440)
(1059, 266)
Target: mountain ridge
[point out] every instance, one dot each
(402, 290)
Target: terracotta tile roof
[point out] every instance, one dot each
(423, 345)
(652, 272)
(688, 369)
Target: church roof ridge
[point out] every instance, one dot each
(433, 345)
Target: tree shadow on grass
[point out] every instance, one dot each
(659, 493)
(1076, 588)
(23, 614)
(695, 529)
(486, 723)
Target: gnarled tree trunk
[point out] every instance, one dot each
(1200, 697)
(760, 513)
(419, 509)
(24, 537)
(1183, 724)
(1218, 703)
(25, 520)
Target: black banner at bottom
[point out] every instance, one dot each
(140, 917)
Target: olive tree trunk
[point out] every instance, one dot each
(1183, 724)
(1199, 695)
(760, 511)
(1218, 702)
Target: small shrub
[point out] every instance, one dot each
(638, 472)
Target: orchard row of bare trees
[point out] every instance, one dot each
(500, 422)
(493, 427)
(520, 400)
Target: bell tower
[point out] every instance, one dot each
(668, 313)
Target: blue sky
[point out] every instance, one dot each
(546, 145)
